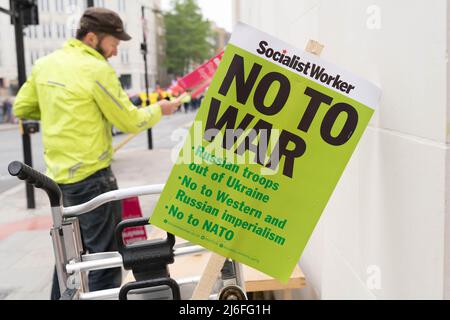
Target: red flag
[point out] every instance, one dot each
(198, 92)
(202, 74)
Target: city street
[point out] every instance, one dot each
(11, 145)
(26, 253)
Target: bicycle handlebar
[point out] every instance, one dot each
(37, 179)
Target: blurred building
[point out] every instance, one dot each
(219, 38)
(59, 20)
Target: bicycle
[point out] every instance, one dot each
(148, 260)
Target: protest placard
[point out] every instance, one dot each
(273, 136)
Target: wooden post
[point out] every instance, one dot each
(209, 277)
(125, 142)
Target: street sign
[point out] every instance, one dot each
(274, 134)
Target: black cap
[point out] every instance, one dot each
(104, 20)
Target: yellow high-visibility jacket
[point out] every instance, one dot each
(78, 97)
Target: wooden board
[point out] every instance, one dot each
(192, 266)
(255, 281)
(258, 281)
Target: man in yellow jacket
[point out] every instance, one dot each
(77, 96)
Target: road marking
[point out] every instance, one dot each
(36, 223)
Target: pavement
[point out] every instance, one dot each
(8, 126)
(26, 252)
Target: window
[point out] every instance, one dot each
(125, 80)
(34, 56)
(122, 5)
(124, 56)
(46, 30)
(99, 3)
(60, 31)
(59, 5)
(44, 5)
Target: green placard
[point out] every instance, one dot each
(273, 136)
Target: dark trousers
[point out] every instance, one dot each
(97, 227)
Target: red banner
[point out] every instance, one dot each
(131, 209)
(202, 74)
(199, 91)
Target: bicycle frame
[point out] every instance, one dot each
(72, 265)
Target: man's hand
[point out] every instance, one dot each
(169, 107)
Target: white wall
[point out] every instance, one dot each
(389, 216)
